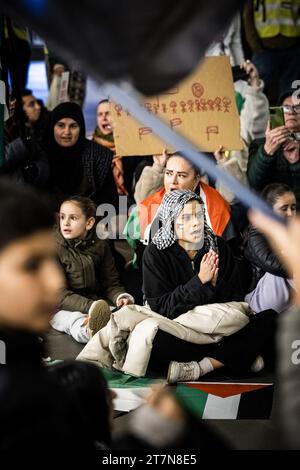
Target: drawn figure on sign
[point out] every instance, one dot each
(173, 106)
(198, 105)
(226, 103)
(175, 122)
(203, 104)
(148, 106)
(212, 130)
(183, 106)
(218, 103)
(190, 104)
(118, 109)
(197, 89)
(155, 107)
(210, 104)
(144, 131)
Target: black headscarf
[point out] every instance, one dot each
(66, 163)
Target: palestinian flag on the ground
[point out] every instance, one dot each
(222, 400)
(131, 391)
(209, 400)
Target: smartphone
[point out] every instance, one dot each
(276, 117)
(239, 74)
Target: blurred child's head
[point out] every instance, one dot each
(30, 278)
(77, 216)
(87, 385)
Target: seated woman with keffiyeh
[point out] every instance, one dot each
(185, 266)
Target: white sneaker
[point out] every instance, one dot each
(258, 364)
(183, 371)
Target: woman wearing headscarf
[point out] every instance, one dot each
(185, 266)
(78, 166)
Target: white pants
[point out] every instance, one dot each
(72, 324)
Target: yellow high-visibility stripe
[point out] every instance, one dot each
(273, 18)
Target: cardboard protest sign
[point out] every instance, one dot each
(58, 92)
(202, 108)
(64, 86)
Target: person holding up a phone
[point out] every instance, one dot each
(253, 107)
(275, 158)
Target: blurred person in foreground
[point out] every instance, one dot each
(285, 240)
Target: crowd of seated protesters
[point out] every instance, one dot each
(50, 151)
(192, 242)
(190, 248)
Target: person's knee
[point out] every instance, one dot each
(267, 319)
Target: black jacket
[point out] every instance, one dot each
(96, 180)
(263, 260)
(97, 161)
(35, 411)
(172, 285)
(26, 162)
(264, 169)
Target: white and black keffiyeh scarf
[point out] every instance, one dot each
(170, 208)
